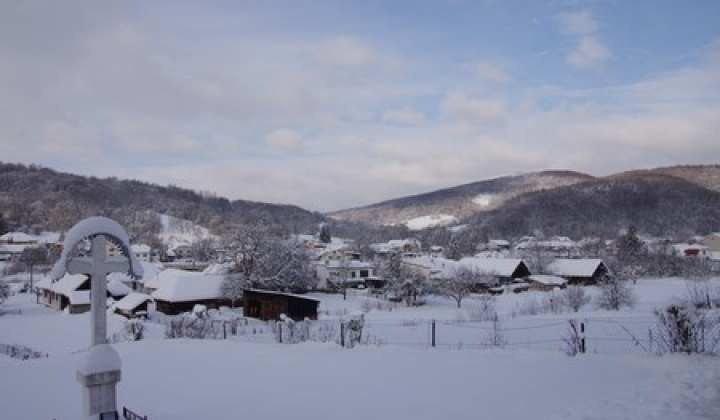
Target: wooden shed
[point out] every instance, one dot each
(267, 305)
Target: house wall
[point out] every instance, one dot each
(712, 242)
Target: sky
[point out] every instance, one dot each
(333, 104)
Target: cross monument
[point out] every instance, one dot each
(100, 370)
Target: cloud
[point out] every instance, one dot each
(352, 53)
(463, 107)
(577, 23)
(146, 134)
(491, 73)
(588, 54)
(285, 140)
(403, 116)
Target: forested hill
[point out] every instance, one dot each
(677, 200)
(655, 204)
(32, 196)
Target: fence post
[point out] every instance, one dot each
(582, 337)
(224, 330)
(342, 334)
(279, 325)
(432, 334)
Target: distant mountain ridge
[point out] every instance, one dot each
(667, 200)
(676, 200)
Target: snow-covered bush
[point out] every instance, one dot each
(548, 304)
(291, 331)
(575, 297)
(615, 293)
(352, 330)
(370, 304)
(134, 330)
(685, 328)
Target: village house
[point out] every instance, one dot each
(71, 293)
(712, 242)
(498, 271)
(578, 271)
(690, 251)
(408, 247)
(133, 305)
(546, 282)
(333, 274)
(179, 291)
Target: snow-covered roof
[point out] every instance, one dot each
(498, 266)
(349, 265)
(181, 286)
(140, 248)
(117, 288)
(90, 227)
(14, 248)
(18, 237)
(438, 267)
(132, 301)
(547, 279)
(574, 267)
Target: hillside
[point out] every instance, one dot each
(678, 200)
(32, 196)
(656, 205)
(460, 202)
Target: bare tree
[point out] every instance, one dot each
(460, 284)
(231, 288)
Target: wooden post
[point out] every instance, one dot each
(342, 334)
(279, 324)
(582, 337)
(432, 334)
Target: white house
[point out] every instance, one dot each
(341, 273)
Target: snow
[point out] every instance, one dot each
(99, 359)
(574, 267)
(483, 200)
(185, 379)
(131, 301)
(180, 286)
(424, 222)
(90, 227)
(498, 266)
(547, 279)
(176, 232)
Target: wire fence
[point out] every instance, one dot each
(625, 335)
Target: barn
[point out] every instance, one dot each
(267, 305)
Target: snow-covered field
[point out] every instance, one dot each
(395, 378)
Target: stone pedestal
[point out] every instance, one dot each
(99, 373)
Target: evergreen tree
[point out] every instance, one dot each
(324, 235)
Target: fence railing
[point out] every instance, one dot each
(21, 352)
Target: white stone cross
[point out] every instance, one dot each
(100, 370)
(98, 266)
